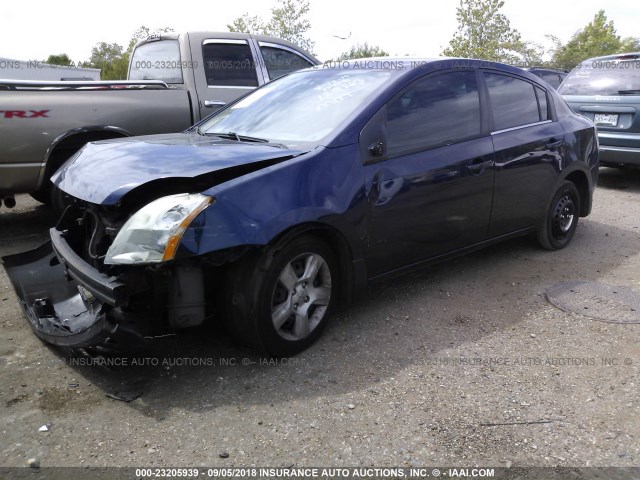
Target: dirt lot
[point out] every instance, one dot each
(411, 376)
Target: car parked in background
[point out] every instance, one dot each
(290, 200)
(607, 91)
(552, 76)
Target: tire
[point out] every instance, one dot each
(44, 194)
(561, 220)
(280, 300)
(58, 200)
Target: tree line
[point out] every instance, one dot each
(111, 58)
(483, 32)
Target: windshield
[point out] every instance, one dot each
(612, 77)
(157, 61)
(299, 108)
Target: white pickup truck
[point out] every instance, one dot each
(174, 81)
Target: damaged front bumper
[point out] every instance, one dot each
(68, 302)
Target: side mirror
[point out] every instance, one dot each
(372, 138)
(377, 149)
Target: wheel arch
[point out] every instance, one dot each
(581, 181)
(69, 142)
(341, 247)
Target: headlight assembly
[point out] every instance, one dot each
(153, 233)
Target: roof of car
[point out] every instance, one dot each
(403, 65)
(546, 69)
(617, 56)
(385, 62)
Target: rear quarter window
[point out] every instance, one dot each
(543, 104)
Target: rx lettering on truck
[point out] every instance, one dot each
(24, 113)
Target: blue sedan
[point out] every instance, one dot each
(269, 213)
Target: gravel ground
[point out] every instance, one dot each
(420, 373)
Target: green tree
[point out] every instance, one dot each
(362, 51)
(483, 32)
(530, 54)
(597, 38)
(288, 21)
(108, 57)
(248, 24)
(60, 59)
(629, 44)
(113, 60)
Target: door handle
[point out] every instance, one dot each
(478, 168)
(214, 103)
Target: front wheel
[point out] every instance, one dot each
(561, 220)
(281, 300)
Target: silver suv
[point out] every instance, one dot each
(607, 91)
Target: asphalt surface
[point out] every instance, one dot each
(461, 364)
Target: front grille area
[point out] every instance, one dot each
(90, 230)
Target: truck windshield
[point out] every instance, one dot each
(302, 107)
(603, 78)
(157, 61)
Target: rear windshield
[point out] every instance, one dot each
(603, 77)
(157, 61)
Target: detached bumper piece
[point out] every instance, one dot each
(67, 302)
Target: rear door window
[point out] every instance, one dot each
(279, 61)
(229, 63)
(513, 101)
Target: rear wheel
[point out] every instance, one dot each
(43, 195)
(59, 200)
(281, 300)
(561, 220)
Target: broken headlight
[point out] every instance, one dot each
(153, 233)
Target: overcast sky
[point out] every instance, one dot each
(34, 30)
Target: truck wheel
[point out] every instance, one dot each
(59, 200)
(561, 220)
(43, 195)
(280, 300)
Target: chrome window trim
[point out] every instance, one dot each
(21, 165)
(210, 41)
(520, 126)
(244, 87)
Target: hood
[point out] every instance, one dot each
(103, 172)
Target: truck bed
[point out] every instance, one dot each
(36, 114)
